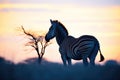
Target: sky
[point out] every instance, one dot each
(100, 18)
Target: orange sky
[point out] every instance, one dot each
(100, 21)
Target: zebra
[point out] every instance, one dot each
(85, 47)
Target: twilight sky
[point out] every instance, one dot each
(100, 18)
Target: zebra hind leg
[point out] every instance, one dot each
(92, 61)
(93, 56)
(69, 61)
(85, 61)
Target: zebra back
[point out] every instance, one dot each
(76, 47)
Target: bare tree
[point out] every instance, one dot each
(34, 42)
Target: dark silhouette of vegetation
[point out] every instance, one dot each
(34, 41)
(32, 70)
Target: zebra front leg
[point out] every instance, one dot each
(64, 59)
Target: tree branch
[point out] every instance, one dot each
(34, 42)
(27, 33)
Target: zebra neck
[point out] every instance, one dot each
(60, 36)
(60, 39)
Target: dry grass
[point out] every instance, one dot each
(32, 70)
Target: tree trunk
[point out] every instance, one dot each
(39, 58)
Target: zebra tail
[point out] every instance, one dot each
(101, 56)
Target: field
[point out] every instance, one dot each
(30, 69)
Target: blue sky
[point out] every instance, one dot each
(80, 2)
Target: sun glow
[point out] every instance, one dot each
(102, 22)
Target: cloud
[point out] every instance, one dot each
(39, 5)
(26, 10)
(27, 7)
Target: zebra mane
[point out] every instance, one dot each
(62, 26)
(61, 32)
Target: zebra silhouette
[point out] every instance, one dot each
(84, 47)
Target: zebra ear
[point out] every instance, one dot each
(51, 21)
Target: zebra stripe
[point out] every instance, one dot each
(81, 46)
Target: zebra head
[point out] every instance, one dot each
(52, 30)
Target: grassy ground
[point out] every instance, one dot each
(32, 70)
